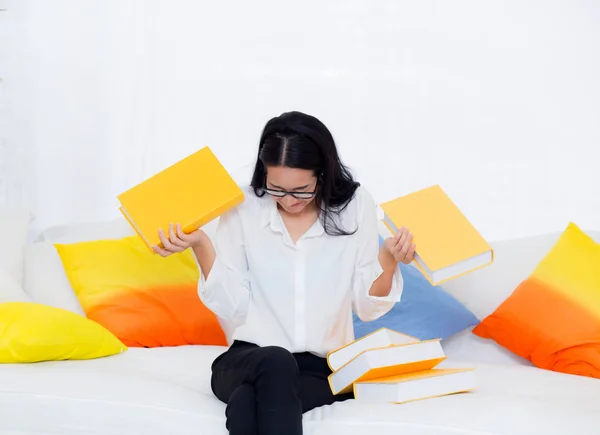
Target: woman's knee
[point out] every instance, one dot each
(279, 360)
(243, 395)
(241, 411)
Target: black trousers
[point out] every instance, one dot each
(267, 389)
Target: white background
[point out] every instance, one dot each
(497, 101)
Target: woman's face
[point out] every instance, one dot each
(301, 182)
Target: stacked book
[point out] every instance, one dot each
(390, 367)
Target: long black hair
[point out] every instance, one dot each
(298, 140)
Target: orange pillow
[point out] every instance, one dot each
(145, 300)
(553, 317)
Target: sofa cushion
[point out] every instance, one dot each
(44, 277)
(45, 280)
(86, 231)
(483, 290)
(10, 291)
(144, 299)
(553, 316)
(31, 332)
(167, 390)
(424, 311)
(466, 346)
(101, 230)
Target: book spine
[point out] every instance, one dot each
(215, 213)
(150, 248)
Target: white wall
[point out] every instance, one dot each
(15, 184)
(499, 102)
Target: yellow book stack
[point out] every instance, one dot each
(387, 366)
(192, 192)
(447, 244)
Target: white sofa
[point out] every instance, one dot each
(167, 390)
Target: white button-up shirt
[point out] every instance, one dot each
(298, 296)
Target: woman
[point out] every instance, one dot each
(287, 268)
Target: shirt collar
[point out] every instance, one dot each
(269, 211)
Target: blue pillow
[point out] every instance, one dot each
(425, 312)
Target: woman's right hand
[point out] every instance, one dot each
(178, 241)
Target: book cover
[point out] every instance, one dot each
(447, 244)
(192, 192)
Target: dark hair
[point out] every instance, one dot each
(297, 140)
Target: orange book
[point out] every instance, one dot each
(447, 244)
(415, 386)
(192, 192)
(385, 362)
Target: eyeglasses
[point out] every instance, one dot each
(284, 193)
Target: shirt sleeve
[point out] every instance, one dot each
(226, 292)
(368, 269)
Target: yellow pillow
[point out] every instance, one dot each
(31, 332)
(553, 317)
(144, 299)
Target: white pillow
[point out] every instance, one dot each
(14, 229)
(467, 347)
(485, 289)
(10, 291)
(45, 279)
(86, 231)
(114, 229)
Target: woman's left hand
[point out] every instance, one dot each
(401, 247)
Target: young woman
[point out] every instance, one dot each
(288, 267)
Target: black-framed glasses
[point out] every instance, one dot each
(283, 193)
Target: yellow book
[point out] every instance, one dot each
(447, 244)
(192, 192)
(385, 362)
(380, 338)
(415, 386)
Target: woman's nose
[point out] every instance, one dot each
(289, 200)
